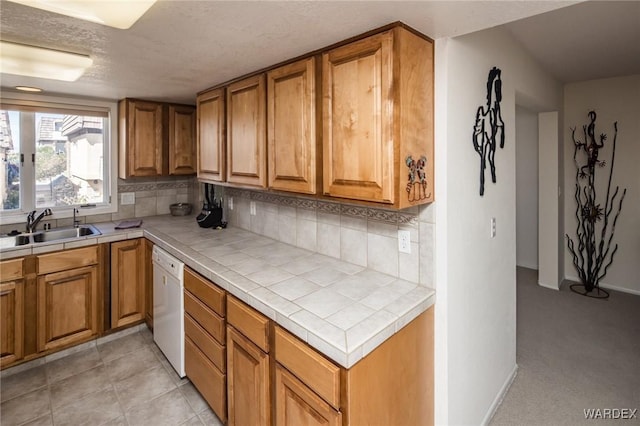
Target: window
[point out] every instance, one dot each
(55, 155)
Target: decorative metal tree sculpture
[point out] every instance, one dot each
(591, 251)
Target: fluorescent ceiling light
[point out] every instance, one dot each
(114, 13)
(31, 61)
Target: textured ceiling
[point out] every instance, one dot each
(587, 41)
(179, 48)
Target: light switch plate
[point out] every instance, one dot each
(127, 198)
(404, 241)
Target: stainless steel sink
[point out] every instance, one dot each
(65, 233)
(9, 241)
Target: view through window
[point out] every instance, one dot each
(52, 158)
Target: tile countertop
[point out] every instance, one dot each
(343, 310)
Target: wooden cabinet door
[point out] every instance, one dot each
(248, 398)
(182, 140)
(358, 148)
(141, 138)
(127, 282)
(246, 132)
(211, 136)
(11, 321)
(67, 307)
(291, 127)
(296, 404)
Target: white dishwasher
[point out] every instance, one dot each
(168, 307)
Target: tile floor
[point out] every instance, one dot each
(126, 381)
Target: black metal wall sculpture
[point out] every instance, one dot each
(591, 251)
(489, 127)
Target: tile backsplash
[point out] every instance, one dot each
(361, 235)
(153, 196)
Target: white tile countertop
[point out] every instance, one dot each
(341, 309)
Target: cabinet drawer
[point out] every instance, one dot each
(249, 322)
(204, 290)
(206, 378)
(320, 374)
(207, 344)
(67, 259)
(11, 269)
(204, 316)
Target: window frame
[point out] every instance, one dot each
(110, 162)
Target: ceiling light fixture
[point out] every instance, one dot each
(120, 14)
(31, 61)
(28, 89)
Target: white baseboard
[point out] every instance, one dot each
(500, 397)
(607, 286)
(545, 285)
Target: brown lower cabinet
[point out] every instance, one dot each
(205, 360)
(52, 301)
(297, 404)
(128, 282)
(67, 297)
(11, 311)
(272, 377)
(248, 381)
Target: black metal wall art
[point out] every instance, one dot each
(591, 251)
(488, 129)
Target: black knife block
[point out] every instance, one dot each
(210, 218)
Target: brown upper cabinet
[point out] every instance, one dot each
(182, 140)
(246, 132)
(378, 119)
(291, 127)
(156, 139)
(211, 136)
(351, 121)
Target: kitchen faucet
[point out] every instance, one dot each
(32, 221)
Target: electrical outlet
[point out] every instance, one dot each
(127, 198)
(493, 227)
(404, 241)
(230, 202)
(252, 208)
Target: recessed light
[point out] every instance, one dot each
(29, 89)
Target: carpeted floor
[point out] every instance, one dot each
(574, 353)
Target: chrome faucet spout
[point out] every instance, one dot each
(32, 222)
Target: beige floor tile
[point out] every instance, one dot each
(73, 364)
(209, 418)
(45, 420)
(143, 387)
(196, 401)
(94, 409)
(71, 389)
(22, 383)
(131, 364)
(25, 408)
(193, 421)
(120, 347)
(120, 421)
(168, 409)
